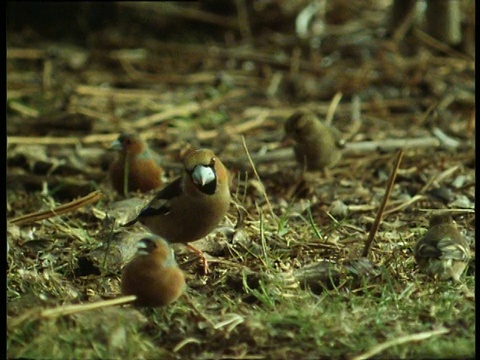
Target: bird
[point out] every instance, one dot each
(192, 205)
(317, 146)
(443, 252)
(136, 167)
(153, 275)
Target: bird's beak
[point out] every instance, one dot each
(202, 175)
(115, 146)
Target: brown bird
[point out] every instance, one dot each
(136, 167)
(443, 252)
(191, 206)
(317, 146)
(153, 275)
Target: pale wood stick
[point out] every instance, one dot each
(37, 313)
(77, 308)
(361, 147)
(28, 54)
(185, 110)
(147, 9)
(59, 210)
(332, 108)
(398, 341)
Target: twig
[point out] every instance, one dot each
(439, 45)
(23, 109)
(239, 54)
(108, 225)
(266, 261)
(27, 54)
(77, 308)
(405, 25)
(360, 208)
(312, 222)
(445, 140)
(184, 342)
(47, 75)
(272, 88)
(400, 340)
(59, 210)
(52, 140)
(424, 116)
(356, 117)
(89, 139)
(360, 147)
(130, 94)
(392, 144)
(378, 219)
(438, 178)
(333, 106)
(245, 126)
(342, 109)
(194, 305)
(257, 176)
(243, 23)
(405, 204)
(184, 110)
(178, 111)
(471, 123)
(126, 173)
(23, 92)
(206, 77)
(451, 211)
(174, 10)
(37, 314)
(295, 61)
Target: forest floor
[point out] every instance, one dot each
(288, 278)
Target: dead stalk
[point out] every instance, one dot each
(378, 219)
(59, 210)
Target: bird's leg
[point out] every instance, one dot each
(202, 256)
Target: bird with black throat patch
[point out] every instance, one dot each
(190, 207)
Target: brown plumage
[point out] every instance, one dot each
(443, 252)
(191, 206)
(317, 146)
(135, 162)
(153, 275)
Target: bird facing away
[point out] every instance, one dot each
(443, 252)
(153, 275)
(136, 166)
(191, 206)
(317, 146)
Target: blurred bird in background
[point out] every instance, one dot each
(443, 252)
(191, 206)
(317, 146)
(136, 167)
